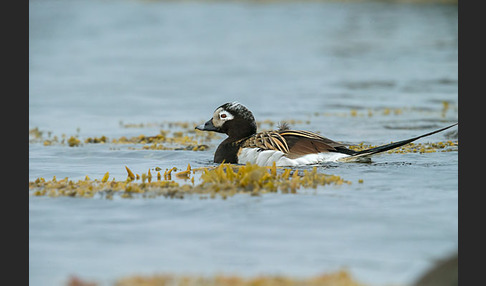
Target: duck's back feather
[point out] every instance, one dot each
(289, 147)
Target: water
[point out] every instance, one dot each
(96, 64)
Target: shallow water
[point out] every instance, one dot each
(94, 65)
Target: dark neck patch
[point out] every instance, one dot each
(227, 152)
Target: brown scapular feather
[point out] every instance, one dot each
(304, 146)
(294, 143)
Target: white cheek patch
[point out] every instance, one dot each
(221, 116)
(225, 115)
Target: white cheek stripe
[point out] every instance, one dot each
(217, 120)
(229, 116)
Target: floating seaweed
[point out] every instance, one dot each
(338, 278)
(442, 146)
(341, 278)
(225, 180)
(73, 141)
(95, 140)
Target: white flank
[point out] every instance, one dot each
(267, 157)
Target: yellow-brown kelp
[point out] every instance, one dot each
(224, 180)
(338, 278)
(442, 146)
(185, 139)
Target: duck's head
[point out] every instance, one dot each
(233, 119)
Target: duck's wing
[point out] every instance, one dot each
(294, 143)
(305, 142)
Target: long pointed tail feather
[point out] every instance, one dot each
(386, 147)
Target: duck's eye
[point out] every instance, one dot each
(224, 116)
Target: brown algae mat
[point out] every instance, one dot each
(339, 278)
(224, 180)
(441, 146)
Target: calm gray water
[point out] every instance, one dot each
(94, 64)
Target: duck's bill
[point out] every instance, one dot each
(208, 126)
